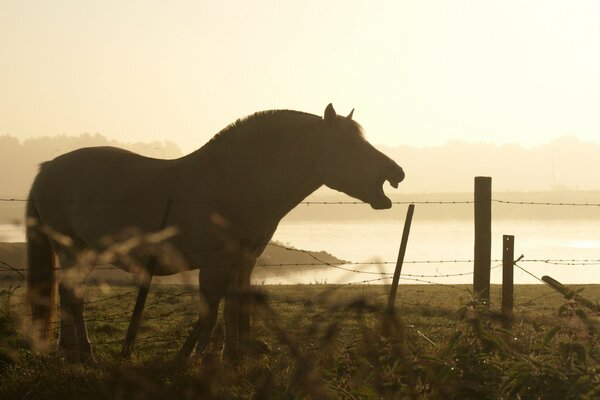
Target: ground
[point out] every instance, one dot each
(322, 341)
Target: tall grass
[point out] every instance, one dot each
(314, 342)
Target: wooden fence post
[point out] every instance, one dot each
(508, 256)
(483, 238)
(136, 315)
(570, 294)
(400, 261)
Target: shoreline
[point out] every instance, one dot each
(14, 256)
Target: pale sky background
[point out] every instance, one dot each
(418, 72)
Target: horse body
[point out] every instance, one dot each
(227, 197)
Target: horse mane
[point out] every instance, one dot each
(261, 121)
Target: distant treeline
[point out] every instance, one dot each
(457, 211)
(563, 164)
(564, 170)
(19, 160)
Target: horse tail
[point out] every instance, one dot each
(41, 280)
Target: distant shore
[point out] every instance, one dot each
(272, 263)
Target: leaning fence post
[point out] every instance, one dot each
(570, 294)
(483, 238)
(136, 315)
(508, 256)
(400, 261)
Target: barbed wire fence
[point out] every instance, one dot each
(160, 298)
(322, 203)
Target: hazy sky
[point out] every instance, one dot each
(417, 72)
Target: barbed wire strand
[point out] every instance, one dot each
(529, 273)
(545, 203)
(4, 266)
(191, 201)
(311, 202)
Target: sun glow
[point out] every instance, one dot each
(417, 72)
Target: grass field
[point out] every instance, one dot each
(322, 341)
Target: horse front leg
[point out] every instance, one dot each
(67, 341)
(231, 347)
(237, 312)
(245, 306)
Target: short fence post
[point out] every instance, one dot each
(483, 238)
(508, 256)
(136, 315)
(400, 261)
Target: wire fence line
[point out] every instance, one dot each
(210, 201)
(346, 266)
(350, 267)
(6, 267)
(161, 298)
(566, 262)
(528, 273)
(306, 203)
(160, 307)
(545, 203)
(122, 317)
(381, 276)
(118, 320)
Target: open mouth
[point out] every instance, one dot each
(379, 200)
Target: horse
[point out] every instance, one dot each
(229, 194)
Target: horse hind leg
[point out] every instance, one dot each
(73, 339)
(213, 284)
(67, 341)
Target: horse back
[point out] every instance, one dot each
(97, 191)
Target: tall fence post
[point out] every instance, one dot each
(483, 238)
(508, 256)
(400, 261)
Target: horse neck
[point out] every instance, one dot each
(274, 170)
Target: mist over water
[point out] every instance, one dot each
(378, 242)
(12, 233)
(446, 240)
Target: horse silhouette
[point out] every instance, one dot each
(227, 199)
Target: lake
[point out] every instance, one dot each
(372, 242)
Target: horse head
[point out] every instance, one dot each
(352, 165)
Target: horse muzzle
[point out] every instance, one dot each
(394, 175)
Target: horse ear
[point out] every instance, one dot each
(350, 115)
(330, 115)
